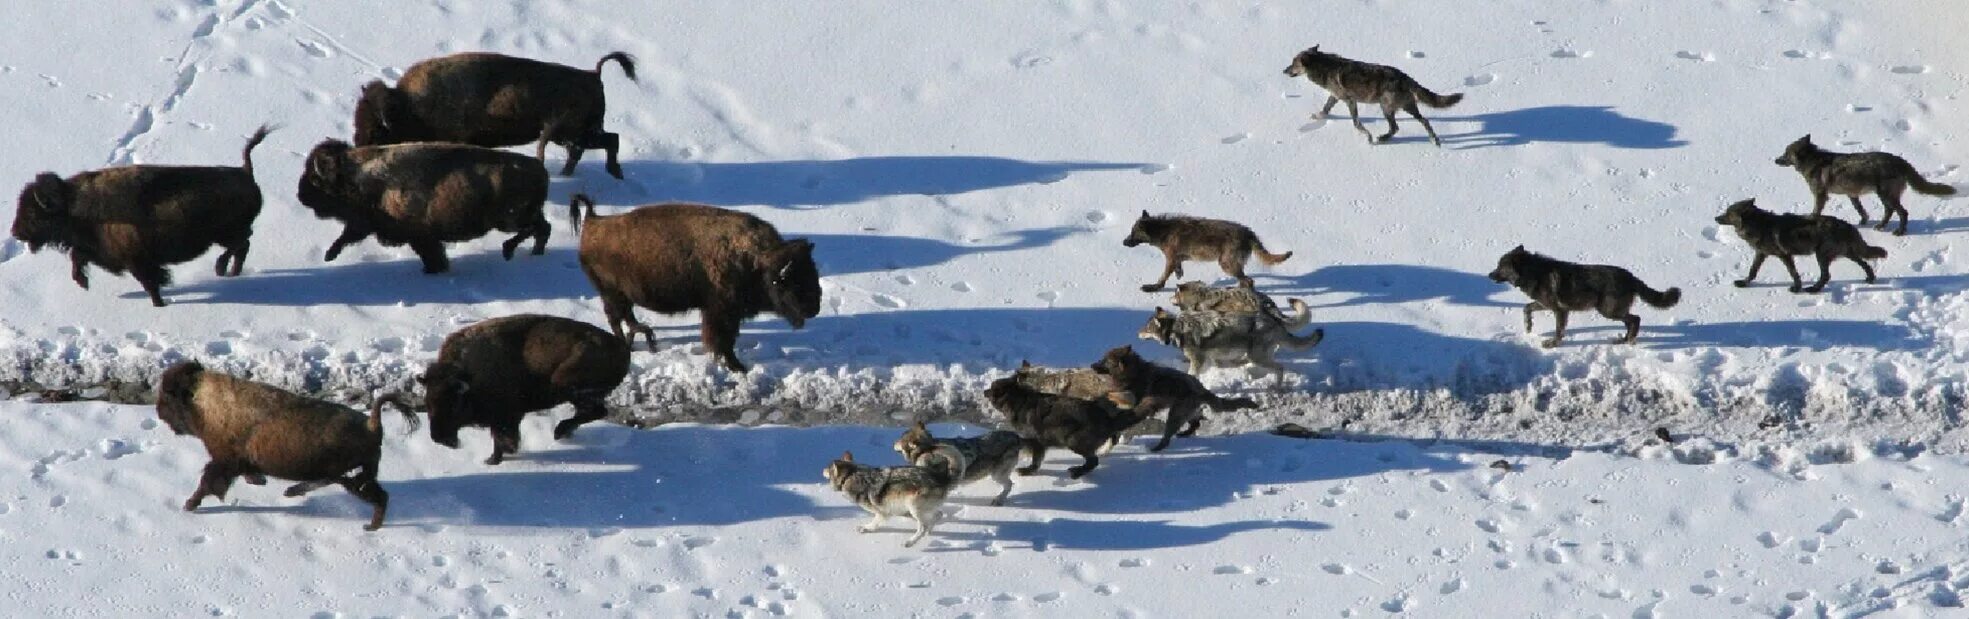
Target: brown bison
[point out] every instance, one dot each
(672, 258)
(493, 373)
(426, 195)
(254, 430)
(143, 218)
(490, 99)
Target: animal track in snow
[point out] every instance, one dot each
(1700, 56)
(1452, 586)
(1795, 54)
(1909, 69)
(1770, 539)
(1135, 562)
(1479, 80)
(1235, 138)
(1226, 570)
(888, 301)
(1839, 520)
(1336, 569)
(1566, 52)
(1417, 54)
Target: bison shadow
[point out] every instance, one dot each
(817, 183)
(846, 254)
(475, 277)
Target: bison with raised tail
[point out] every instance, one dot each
(493, 373)
(253, 430)
(673, 258)
(493, 100)
(425, 195)
(144, 218)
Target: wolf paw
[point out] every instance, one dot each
(1796, 288)
(1550, 343)
(1151, 287)
(864, 529)
(1814, 289)
(1741, 283)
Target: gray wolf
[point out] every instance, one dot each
(1227, 339)
(914, 491)
(1785, 235)
(1563, 287)
(1195, 296)
(1357, 82)
(1856, 174)
(1183, 238)
(1156, 387)
(992, 454)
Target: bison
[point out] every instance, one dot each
(490, 99)
(493, 373)
(143, 218)
(672, 258)
(425, 195)
(254, 430)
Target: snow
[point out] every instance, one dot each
(967, 171)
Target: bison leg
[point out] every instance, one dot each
(350, 235)
(219, 267)
(574, 152)
(505, 440)
(720, 334)
(152, 278)
(238, 251)
(620, 311)
(586, 409)
(511, 245)
(304, 488)
(78, 270)
(432, 253)
(609, 143)
(216, 480)
(541, 230)
(363, 485)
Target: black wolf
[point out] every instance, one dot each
(1182, 238)
(1853, 174)
(1357, 82)
(1564, 287)
(1155, 386)
(1785, 235)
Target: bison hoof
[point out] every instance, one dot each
(615, 170)
(494, 460)
(1741, 283)
(1076, 472)
(1550, 343)
(1901, 232)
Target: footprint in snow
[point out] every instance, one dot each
(1909, 69)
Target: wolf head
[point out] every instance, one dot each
(1159, 327)
(838, 471)
(915, 441)
(1507, 271)
(1799, 147)
(1118, 362)
(1303, 60)
(1141, 232)
(1733, 215)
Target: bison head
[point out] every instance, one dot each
(445, 386)
(329, 174)
(41, 217)
(380, 119)
(793, 282)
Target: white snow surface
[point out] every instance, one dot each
(967, 171)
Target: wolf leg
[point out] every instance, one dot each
(1353, 109)
(1168, 431)
(1388, 113)
(1558, 329)
(925, 519)
(1755, 264)
(1825, 272)
(1171, 264)
(1791, 266)
(1330, 100)
(1862, 209)
(1863, 266)
(1233, 265)
(1087, 465)
(1417, 113)
(1036, 451)
(1633, 329)
(1890, 198)
(1818, 202)
(1003, 475)
(874, 522)
(1529, 308)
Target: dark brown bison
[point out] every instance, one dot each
(673, 258)
(493, 100)
(493, 373)
(425, 195)
(143, 218)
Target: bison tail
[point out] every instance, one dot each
(627, 61)
(1430, 98)
(1927, 187)
(574, 210)
(1661, 299)
(375, 423)
(246, 155)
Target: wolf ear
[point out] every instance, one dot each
(1025, 363)
(1518, 250)
(921, 428)
(847, 456)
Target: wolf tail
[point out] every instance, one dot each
(1221, 404)
(1309, 341)
(1873, 253)
(1658, 298)
(1304, 317)
(1265, 255)
(1927, 187)
(1430, 98)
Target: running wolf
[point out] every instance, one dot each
(1786, 235)
(1195, 296)
(1358, 82)
(1853, 174)
(1564, 287)
(990, 455)
(1156, 386)
(1047, 420)
(915, 491)
(1182, 238)
(1225, 339)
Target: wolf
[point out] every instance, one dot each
(915, 491)
(1786, 235)
(1563, 287)
(1853, 174)
(1226, 339)
(1157, 387)
(1357, 82)
(1045, 420)
(991, 455)
(1194, 296)
(1182, 238)
(1082, 383)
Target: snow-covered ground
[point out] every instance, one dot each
(967, 171)
(690, 520)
